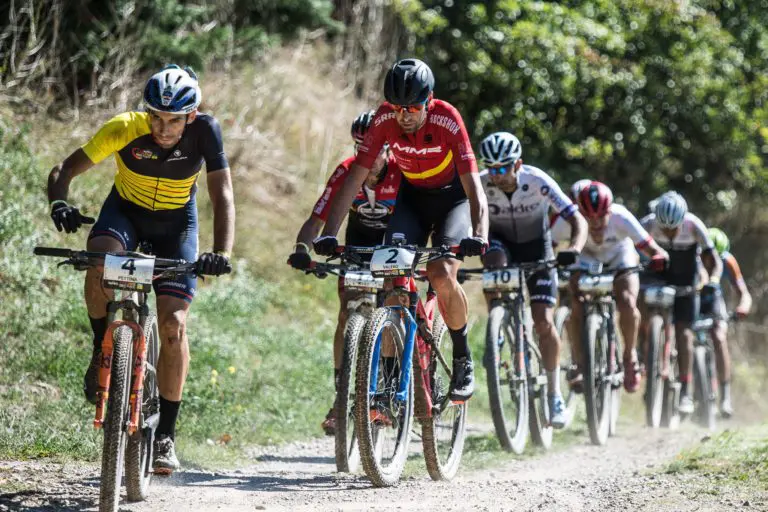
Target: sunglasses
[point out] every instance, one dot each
(499, 171)
(411, 109)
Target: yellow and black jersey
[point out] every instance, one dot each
(148, 175)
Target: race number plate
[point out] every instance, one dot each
(504, 279)
(128, 273)
(362, 281)
(392, 261)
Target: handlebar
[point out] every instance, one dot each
(528, 267)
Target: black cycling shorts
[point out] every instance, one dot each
(172, 234)
(441, 212)
(686, 307)
(542, 286)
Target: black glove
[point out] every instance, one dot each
(566, 258)
(474, 246)
(300, 260)
(68, 218)
(213, 264)
(325, 245)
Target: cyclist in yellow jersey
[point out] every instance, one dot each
(159, 155)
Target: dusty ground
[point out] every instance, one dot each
(624, 475)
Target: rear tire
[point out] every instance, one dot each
(113, 451)
(562, 314)
(514, 438)
(138, 451)
(596, 387)
(706, 409)
(442, 453)
(382, 468)
(538, 392)
(347, 451)
(654, 386)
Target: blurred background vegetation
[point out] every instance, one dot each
(645, 95)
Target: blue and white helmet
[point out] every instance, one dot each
(173, 90)
(670, 210)
(500, 148)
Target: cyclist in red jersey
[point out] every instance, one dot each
(441, 194)
(369, 215)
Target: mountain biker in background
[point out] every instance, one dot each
(519, 199)
(615, 236)
(732, 272)
(685, 238)
(441, 193)
(369, 215)
(159, 154)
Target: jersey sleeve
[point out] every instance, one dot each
(632, 227)
(557, 199)
(466, 162)
(700, 233)
(113, 136)
(213, 147)
(323, 204)
(376, 136)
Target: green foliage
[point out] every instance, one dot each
(644, 95)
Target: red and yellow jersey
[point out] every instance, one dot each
(429, 158)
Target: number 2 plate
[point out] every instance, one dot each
(128, 273)
(392, 261)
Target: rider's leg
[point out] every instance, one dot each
(173, 363)
(452, 302)
(549, 342)
(685, 312)
(625, 290)
(723, 363)
(575, 321)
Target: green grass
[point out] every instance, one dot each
(737, 456)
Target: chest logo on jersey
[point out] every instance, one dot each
(414, 151)
(143, 154)
(177, 156)
(517, 209)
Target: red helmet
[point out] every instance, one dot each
(595, 200)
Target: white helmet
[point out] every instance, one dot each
(670, 210)
(173, 90)
(500, 148)
(577, 187)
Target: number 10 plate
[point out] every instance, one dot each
(505, 279)
(128, 273)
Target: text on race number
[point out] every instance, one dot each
(362, 280)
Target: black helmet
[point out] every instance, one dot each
(409, 82)
(360, 126)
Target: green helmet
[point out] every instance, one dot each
(720, 239)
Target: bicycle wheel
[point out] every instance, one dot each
(562, 314)
(442, 434)
(596, 385)
(538, 408)
(115, 435)
(138, 450)
(670, 415)
(347, 452)
(382, 421)
(506, 379)
(615, 371)
(703, 395)
(654, 386)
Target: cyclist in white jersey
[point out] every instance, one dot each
(615, 237)
(519, 199)
(685, 237)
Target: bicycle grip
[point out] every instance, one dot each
(52, 251)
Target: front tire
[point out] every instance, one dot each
(706, 410)
(597, 387)
(654, 386)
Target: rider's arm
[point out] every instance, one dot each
(578, 231)
(709, 256)
(635, 230)
(222, 199)
(737, 280)
(651, 249)
(61, 174)
(308, 232)
(478, 204)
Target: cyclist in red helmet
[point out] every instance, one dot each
(615, 236)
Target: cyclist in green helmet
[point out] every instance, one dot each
(732, 273)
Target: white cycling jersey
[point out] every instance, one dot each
(522, 217)
(684, 248)
(617, 248)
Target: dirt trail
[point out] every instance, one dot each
(301, 476)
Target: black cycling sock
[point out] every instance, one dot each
(169, 412)
(336, 373)
(460, 344)
(99, 326)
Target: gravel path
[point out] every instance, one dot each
(301, 476)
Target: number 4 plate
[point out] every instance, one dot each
(128, 273)
(392, 261)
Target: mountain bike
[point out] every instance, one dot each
(355, 277)
(402, 373)
(128, 400)
(603, 370)
(517, 380)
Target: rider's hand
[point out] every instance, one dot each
(213, 264)
(741, 313)
(473, 246)
(566, 258)
(659, 263)
(325, 245)
(300, 260)
(68, 218)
